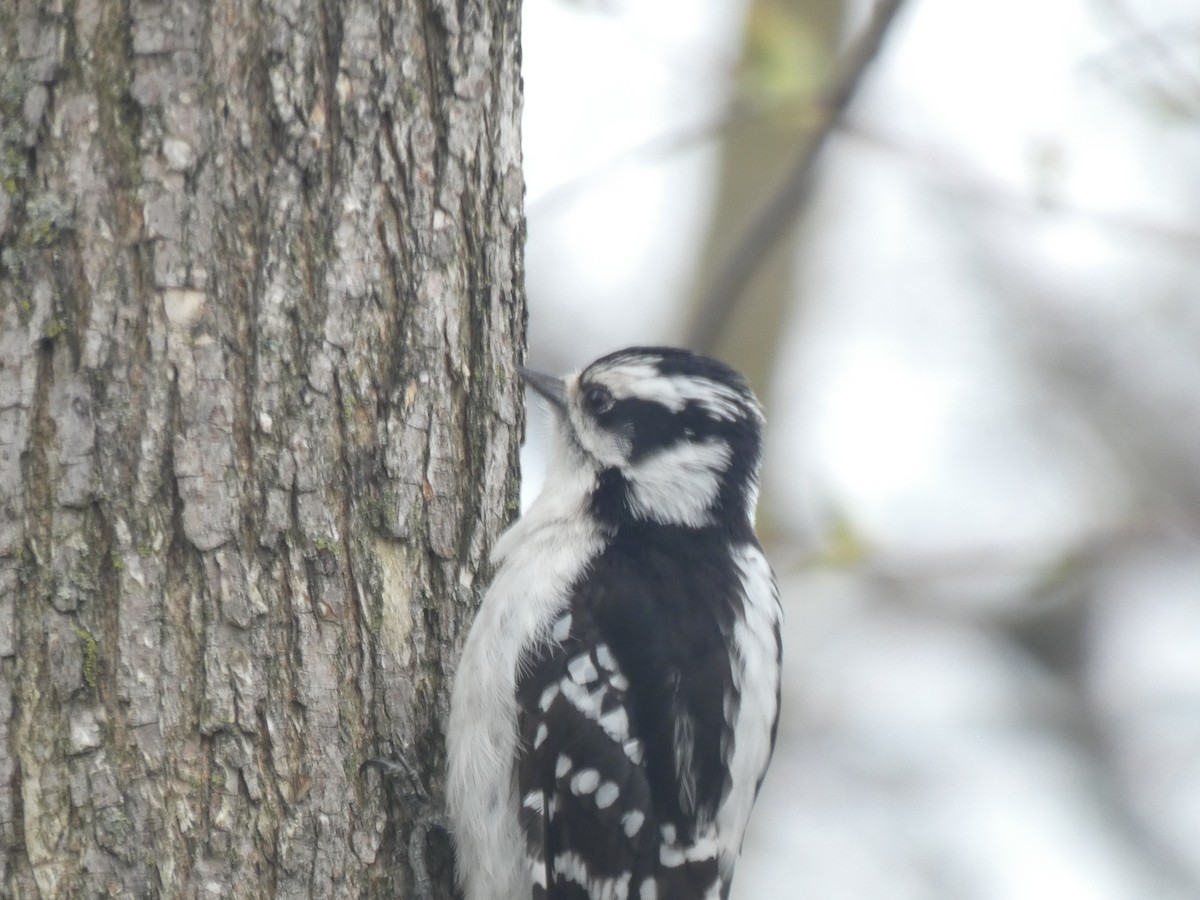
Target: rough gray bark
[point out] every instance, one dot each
(260, 304)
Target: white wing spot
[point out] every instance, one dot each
(605, 658)
(563, 766)
(571, 867)
(615, 723)
(670, 856)
(537, 869)
(533, 800)
(547, 697)
(542, 733)
(586, 702)
(619, 682)
(582, 669)
(632, 822)
(649, 890)
(702, 847)
(633, 749)
(584, 782)
(607, 795)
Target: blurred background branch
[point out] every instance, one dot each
(719, 301)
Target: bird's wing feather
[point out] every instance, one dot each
(624, 734)
(583, 790)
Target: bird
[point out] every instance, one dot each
(617, 700)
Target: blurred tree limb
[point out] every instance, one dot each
(720, 300)
(1168, 72)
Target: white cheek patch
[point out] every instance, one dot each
(678, 485)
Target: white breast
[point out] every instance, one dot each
(538, 559)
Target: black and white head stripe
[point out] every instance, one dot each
(672, 436)
(675, 379)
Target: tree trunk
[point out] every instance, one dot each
(260, 304)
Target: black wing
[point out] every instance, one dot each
(624, 728)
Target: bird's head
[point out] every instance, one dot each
(657, 434)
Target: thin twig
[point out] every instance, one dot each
(718, 305)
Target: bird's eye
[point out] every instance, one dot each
(597, 400)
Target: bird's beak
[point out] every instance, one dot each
(553, 389)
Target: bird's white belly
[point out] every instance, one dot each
(539, 560)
